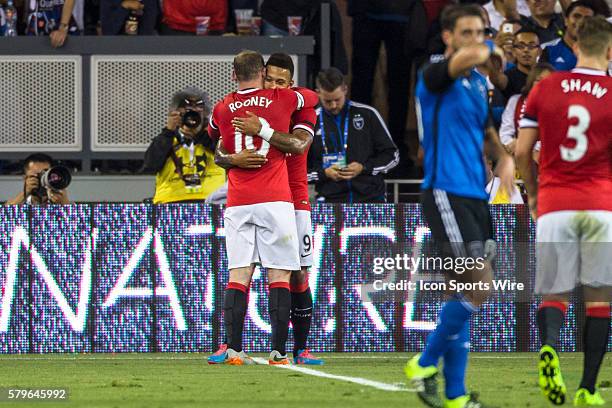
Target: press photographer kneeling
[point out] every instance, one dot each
(182, 155)
(43, 183)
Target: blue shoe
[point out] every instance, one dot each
(219, 356)
(304, 357)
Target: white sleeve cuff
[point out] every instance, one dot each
(266, 131)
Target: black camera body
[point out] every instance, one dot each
(55, 178)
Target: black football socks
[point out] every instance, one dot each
(596, 333)
(279, 307)
(550, 318)
(301, 316)
(234, 312)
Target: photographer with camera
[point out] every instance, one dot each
(182, 155)
(43, 183)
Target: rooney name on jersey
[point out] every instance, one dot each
(254, 101)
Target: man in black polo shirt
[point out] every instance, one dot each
(526, 49)
(547, 24)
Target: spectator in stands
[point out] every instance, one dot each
(179, 16)
(516, 105)
(547, 24)
(497, 101)
(559, 52)
(53, 18)
(182, 155)
(376, 22)
(601, 8)
(526, 52)
(352, 147)
(274, 14)
(33, 166)
(114, 13)
(497, 195)
(91, 17)
(499, 10)
(238, 5)
(505, 40)
(489, 33)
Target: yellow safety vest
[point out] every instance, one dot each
(169, 183)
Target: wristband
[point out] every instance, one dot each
(266, 131)
(491, 45)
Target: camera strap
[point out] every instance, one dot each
(178, 162)
(190, 147)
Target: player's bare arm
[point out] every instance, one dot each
(249, 125)
(223, 158)
(245, 159)
(296, 142)
(505, 165)
(527, 138)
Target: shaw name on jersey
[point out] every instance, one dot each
(582, 85)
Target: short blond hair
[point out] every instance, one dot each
(247, 65)
(594, 36)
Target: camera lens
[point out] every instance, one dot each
(192, 119)
(56, 178)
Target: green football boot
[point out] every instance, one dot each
(424, 379)
(585, 399)
(551, 380)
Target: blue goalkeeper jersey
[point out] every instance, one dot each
(453, 115)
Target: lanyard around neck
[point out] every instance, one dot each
(341, 133)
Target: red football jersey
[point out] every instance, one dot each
(297, 163)
(270, 182)
(573, 113)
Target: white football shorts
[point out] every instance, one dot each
(304, 230)
(573, 248)
(262, 233)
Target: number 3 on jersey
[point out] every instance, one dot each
(248, 142)
(578, 133)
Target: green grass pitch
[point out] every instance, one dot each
(186, 380)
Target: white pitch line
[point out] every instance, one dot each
(357, 380)
(92, 357)
(479, 357)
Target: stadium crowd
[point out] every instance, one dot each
(257, 148)
(151, 17)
